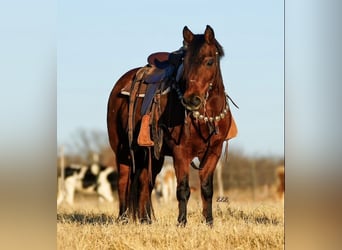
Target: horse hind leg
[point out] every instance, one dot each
(123, 192)
(144, 206)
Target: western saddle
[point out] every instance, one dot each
(150, 82)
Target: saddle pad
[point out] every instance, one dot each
(142, 90)
(127, 89)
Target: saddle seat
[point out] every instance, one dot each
(159, 59)
(161, 66)
(164, 60)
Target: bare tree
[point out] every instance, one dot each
(85, 144)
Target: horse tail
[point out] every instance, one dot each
(140, 187)
(135, 196)
(133, 199)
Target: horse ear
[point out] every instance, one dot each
(209, 34)
(187, 35)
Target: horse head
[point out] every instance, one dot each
(201, 67)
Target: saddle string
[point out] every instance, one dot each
(132, 110)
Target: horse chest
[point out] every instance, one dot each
(209, 130)
(200, 134)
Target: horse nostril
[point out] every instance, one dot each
(195, 101)
(192, 103)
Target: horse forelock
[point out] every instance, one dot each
(198, 46)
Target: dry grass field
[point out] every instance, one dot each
(241, 223)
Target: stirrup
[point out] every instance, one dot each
(144, 138)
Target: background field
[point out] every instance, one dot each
(252, 216)
(240, 223)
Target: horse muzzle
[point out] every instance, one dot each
(192, 102)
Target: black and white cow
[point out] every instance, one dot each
(93, 179)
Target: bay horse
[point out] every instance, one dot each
(194, 120)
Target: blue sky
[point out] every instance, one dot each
(98, 41)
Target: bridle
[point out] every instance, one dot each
(199, 117)
(202, 116)
(196, 114)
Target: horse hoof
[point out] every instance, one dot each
(146, 221)
(210, 223)
(181, 224)
(123, 220)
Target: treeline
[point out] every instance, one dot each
(239, 171)
(244, 172)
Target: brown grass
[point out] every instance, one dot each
(237, 225)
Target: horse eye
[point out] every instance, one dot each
(210, 62)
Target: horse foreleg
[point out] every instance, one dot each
(183, 195)
(183, 188)
(206, 177)
(207, 196)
